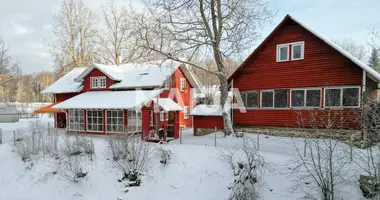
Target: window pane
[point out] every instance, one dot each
(332, 97)
(281, 98)
(244, 98)
(298, 98)
(350, 96)
(267, 101)
(296, 51)
(252, 100)
(284, 53)
(313, 98)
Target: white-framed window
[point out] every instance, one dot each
(134, 120)
(98, 82)
(298, 50)
(274, 98)
(151, 118)
(95, 120)
(186, 112)
(76, 120)
(250, 99)
(348, 97)
(182, 85)
(282, 52)
(168, 84)
(310, 98)
(115, 121)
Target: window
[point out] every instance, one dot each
(342, 97)
(134, 121)
(151, 117)
(115, 121)
(297, 50)
(168, 84)
(98, 82)
(95, 120)
(182, 85)
(250, 99)
(282, 53)
(274, 99)
(76, 120)
(186, 112)
(306, 98)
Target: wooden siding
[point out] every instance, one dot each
(322, 66)
(96, 73)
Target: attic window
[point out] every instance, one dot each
(98, 82)
(296, 49)
(282, 53)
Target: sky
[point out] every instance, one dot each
(26, 25)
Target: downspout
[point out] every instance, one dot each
(232, 103)
(364, 87)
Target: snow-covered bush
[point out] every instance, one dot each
(24, 148)
(72, 167)
(130, 156)
(247, 167)
(165, 155)
(77, 145)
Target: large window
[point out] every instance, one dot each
(306, 98)
(250, 99)
(274, 99)
(134, 121)
(115, 121)
(98, 82)
(95, 120)
(76, 120)
(342, 97)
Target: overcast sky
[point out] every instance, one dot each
(25, 25)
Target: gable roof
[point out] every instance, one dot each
(136, 75)
(66, 84)
(356, 61)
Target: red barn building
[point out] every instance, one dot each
(296, 69)
(103, 99)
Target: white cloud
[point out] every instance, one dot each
(17, 29)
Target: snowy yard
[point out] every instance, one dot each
(195, 171)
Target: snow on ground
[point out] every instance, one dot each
(195, 172)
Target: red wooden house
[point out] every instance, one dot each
(103, 99)
(296, 69)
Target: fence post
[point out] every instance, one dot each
(258, 141)
(180, 136)
(351, 146)
(1, 136)
(304, 148)
(33, 149)
(48, 128)
(215, 136)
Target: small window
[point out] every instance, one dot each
(102, 81)
(282, 53)
(182, 85)
(267, 99)
(94, 82)
(250, 99)
(98, 82)
(332, 97)
(168, 84)
(162, 117)
(297, 51)
(313, 98)
(186, 112)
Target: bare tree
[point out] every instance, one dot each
(74, 27)
(119, 42)
(8, 71)
(220, 29)
(359, 51)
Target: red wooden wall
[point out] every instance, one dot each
(322, 66)
(209, 122)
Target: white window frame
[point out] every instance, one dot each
(162, 117)
(278, 52)
(341, 97)
(168, 84)
(305, 97)
(96, 122)
(246, 97)
(98, 80)
(302, 44)
(186, 112)
(117, 124)
(273, 106)
(182, 84)
(76, 122)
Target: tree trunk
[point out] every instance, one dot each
(228, 129)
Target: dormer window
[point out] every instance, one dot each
(296, 53)
(98, 82)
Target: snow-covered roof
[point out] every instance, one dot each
(109, 100)
(340, 50)
(67, 83)
(168, 104)
(207, 110)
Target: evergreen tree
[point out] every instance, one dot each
(374, 61)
